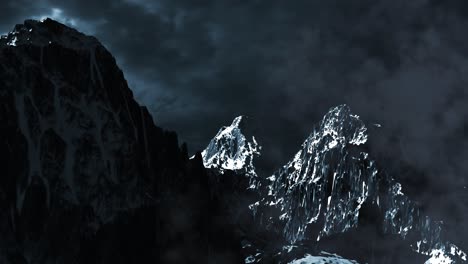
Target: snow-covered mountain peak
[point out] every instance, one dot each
(342, 127)
(47, 32)
(327, 182)
(231, 150)
(320, 172)
(236, 122)
(324, 258)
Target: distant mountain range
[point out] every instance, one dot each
(327, 189)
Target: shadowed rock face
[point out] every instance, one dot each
(86, 175)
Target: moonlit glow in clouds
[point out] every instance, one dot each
(59, 15)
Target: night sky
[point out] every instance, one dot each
(198, 64)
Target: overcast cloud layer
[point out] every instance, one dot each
(198, 64)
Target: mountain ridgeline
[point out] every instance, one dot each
(332, 193)
(87, 177)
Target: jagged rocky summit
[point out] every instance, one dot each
(231, 150)
(327, 189)
(87, 177)
(324, 180)
(327, 182)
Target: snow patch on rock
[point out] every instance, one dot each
(231, 150)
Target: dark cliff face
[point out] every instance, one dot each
(86, 176)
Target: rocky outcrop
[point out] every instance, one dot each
(87, 176)
(332, 191)
(325, 185)
(231, 150)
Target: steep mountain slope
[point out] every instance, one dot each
(327, 182)
(86, 175)
(230, 150)
(332, 191)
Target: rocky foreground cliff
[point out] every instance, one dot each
(87, 177)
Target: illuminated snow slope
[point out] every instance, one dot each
(231, 150)
(327, 181)
(325, 259)
(330, 178)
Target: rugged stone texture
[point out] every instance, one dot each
(329, 194)
(231, 150)
(87, 177)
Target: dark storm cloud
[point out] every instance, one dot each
(13, 12)
(198, 64)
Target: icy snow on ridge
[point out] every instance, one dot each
(39, 33)
(230, 150)
(326, 259)
(12, 42)
(444, 256)
(439, 257)
(325, 153)
(329, 180)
